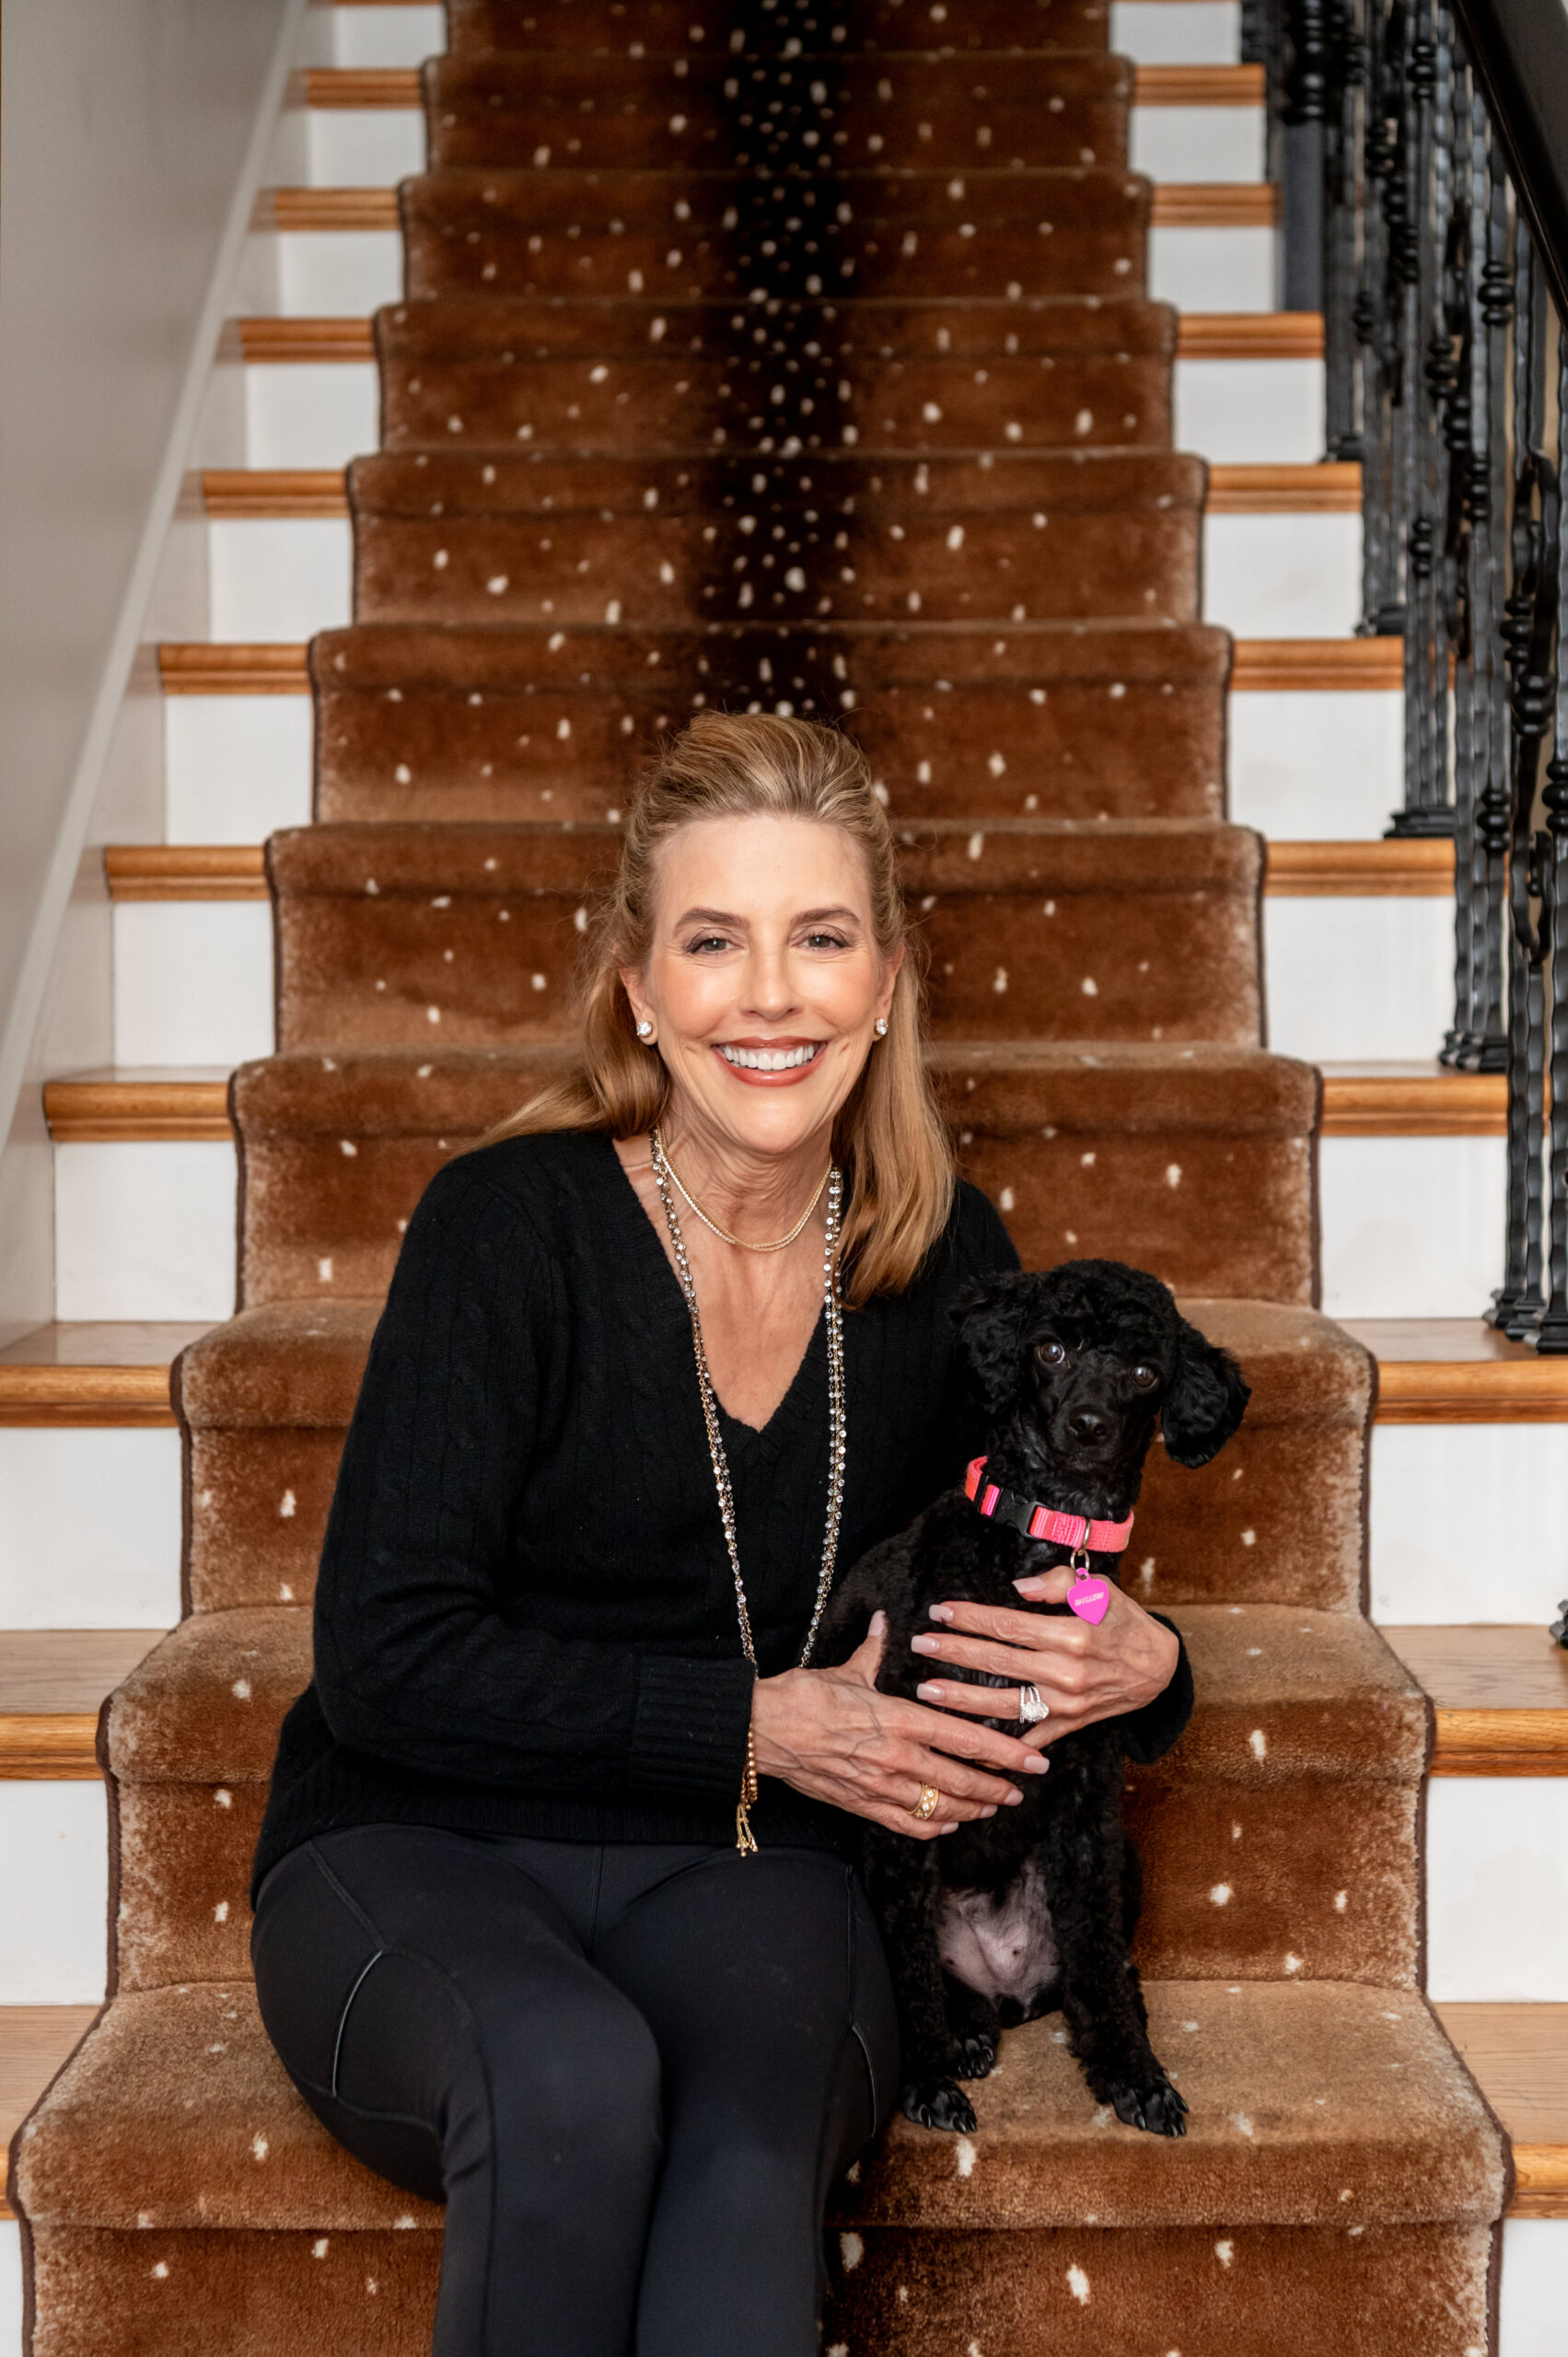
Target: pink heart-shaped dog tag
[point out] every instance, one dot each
(1090, 1599)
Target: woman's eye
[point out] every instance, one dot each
(1145, 1377)
(1050, 1354)
(709, 942)
(826, 940)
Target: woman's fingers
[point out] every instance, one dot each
(965, 1742)
(1002, 1661)
(1042, 1632)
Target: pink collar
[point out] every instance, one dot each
(1073, 1530)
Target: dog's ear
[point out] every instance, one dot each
(1207, 1401)
(990, 1313)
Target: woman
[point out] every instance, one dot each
(554, 1915)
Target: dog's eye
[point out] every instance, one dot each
(1144, 1377)
(1050, 1354)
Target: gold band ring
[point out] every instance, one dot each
(926, 1806)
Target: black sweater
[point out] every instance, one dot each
(524, 1621)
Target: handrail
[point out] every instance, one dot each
(1434, 235)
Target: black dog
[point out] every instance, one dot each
(1015, 1915)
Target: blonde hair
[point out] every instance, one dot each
(889, 1137)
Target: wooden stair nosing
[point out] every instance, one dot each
(118, 1111)
(378, 87)
(1174, 204)
(185, 871)
(1332, 487)
(1200, 335)
(1334, 665)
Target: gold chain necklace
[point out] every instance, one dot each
(744, 1840)
(798, 1229)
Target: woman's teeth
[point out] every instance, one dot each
(771, 1059)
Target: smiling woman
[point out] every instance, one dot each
(557, 1913)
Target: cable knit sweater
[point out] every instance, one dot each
(524, 1620)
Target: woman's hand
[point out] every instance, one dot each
(1083, 1673)
(830, 1733)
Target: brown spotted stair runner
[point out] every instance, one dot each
(794, 357)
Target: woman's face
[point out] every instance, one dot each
(763, 982)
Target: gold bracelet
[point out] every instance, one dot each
(744, 1840)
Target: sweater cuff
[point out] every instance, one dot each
(689, 1724)
(1147, 1735)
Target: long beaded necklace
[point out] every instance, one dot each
(745, 1840)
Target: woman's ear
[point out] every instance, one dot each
(1206, 1400)
(990, 1313)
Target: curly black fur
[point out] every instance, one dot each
(1015, 1915)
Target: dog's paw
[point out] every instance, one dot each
(937, 2103)
(976, 2056)
(1154, 2105)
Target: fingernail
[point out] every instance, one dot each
(879, 1623)
(940, 1613)
(1014, 1798)
(946, 1829)
(926, 1692)
(989, 1810)
(1035, 1766)
(1029, 1586)
(925, 1645)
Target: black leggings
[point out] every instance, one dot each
(631, 2072)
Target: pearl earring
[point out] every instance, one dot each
(881, 1027)
(645, 1030)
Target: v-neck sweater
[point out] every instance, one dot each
(524, 1620)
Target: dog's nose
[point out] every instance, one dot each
(1084, 1424)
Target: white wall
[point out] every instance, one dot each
(131, 134)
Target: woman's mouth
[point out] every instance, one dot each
(774, 1059)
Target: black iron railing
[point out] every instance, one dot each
(1422, 150)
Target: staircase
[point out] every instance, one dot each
(640, 439)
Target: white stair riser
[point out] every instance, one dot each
(1370, 977)
(1264, 576)
(55, 1870)
(1316, 766)
(1282, 576)
(193, 982)
(1215, 269)
(1319, 766)
(1358, 978)
(1197, 143)
(1411, 1228)
(144, 1231)
(89, 1527)
(1496, 1864)
(322, 413)
(10, 2283)
(364, 146)
(310, 413)
(236, 768)
(1535, 2268)
(376, 146)
(1496, 1888)
(396, 35)
(1469, 1521)
(317, 271)
(279, 577)
(1171, 32)
(1236, 412)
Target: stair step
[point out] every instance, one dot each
(1330, 488)
(1518, 2055)
(1501, 1698)
(98, 1374)
(187, 2075)
(1456, 1370)
(35, 2041)
(1261, 666)
(53, 1682)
